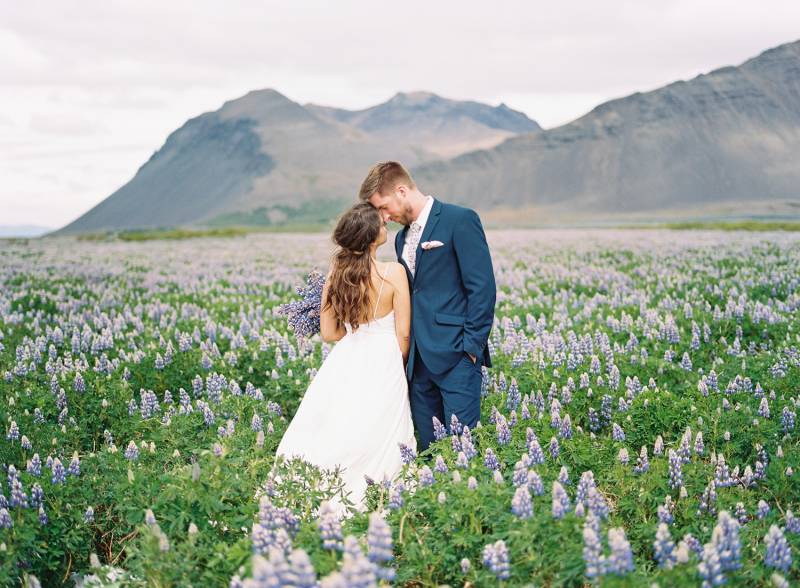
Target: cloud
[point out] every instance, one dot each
(65, 124)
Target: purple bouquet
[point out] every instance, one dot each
(303, 314)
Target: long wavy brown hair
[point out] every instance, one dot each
(351, 272)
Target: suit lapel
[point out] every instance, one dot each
(399, 242)
(433, 218)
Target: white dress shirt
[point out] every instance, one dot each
(421, 220)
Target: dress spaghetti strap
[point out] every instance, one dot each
(378, 298)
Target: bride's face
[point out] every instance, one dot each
(381, 235)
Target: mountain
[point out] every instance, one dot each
(729, 138)
(445, 127)
(262, 159)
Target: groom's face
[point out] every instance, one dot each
(393, 206)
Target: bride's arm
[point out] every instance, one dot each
(329, 327)
(401, 303)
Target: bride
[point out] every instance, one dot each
(356, 410)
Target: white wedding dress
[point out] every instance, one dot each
(356, 410)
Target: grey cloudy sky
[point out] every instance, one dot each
(89, 89)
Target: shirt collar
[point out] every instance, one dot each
(425, 212)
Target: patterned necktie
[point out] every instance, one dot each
(414, 233)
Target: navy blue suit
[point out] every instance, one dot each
(452, 309)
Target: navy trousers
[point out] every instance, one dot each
(455, 392)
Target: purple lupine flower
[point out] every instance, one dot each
(725, 538)
(274, 528)
(699, 446)
(592, 548)
(617, 433)
(563, 476)
(709, 500)
(503, 432)
(709, 567)
(763, 408)
(88, 516)
(788, 418)
(6, 522)
(466, 443)
(778, 554)
(461, 460)
(561, 502)
(303, 315)
(693, 544)
(554, 448)
(256, 424)
(565, 431)
(59, 475)
(584, 485)
(792, 522)
(665, 510)
(643, 463)
(762, 510)
(330, 528)
(439, 431)
(520, 476)
(472, 483)
(440, 467)
(490, 460)
(513, 397)
(535, 452)
(741, 513)
(675, 474)
(301, 572)
(658, 447)
(37, 495)
(407, 454)
(42, 515)
(620, 560)
(455, 425)
(605, 409)
(521, 505)
(74, 468)
(664, 547)
(495, 558)
(356, 569)
(425, 476)
(13, 432)
(379, 550)
(396, 496)
(597, 503)
(132, 452)
(622, 456)
(535, 483)
(35, 465)
(594, 420)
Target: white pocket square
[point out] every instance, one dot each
(431, 244)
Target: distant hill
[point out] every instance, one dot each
(263, 159)
(729, 139)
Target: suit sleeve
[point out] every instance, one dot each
(477, 278)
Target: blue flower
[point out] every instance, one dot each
(778, 554)
(495, 558)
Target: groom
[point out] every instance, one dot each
(444, 251)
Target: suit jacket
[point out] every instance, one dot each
(453, 290)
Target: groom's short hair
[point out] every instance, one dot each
(382, 176)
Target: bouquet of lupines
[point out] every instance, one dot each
(303, 314)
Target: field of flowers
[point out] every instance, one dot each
(638, 426)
